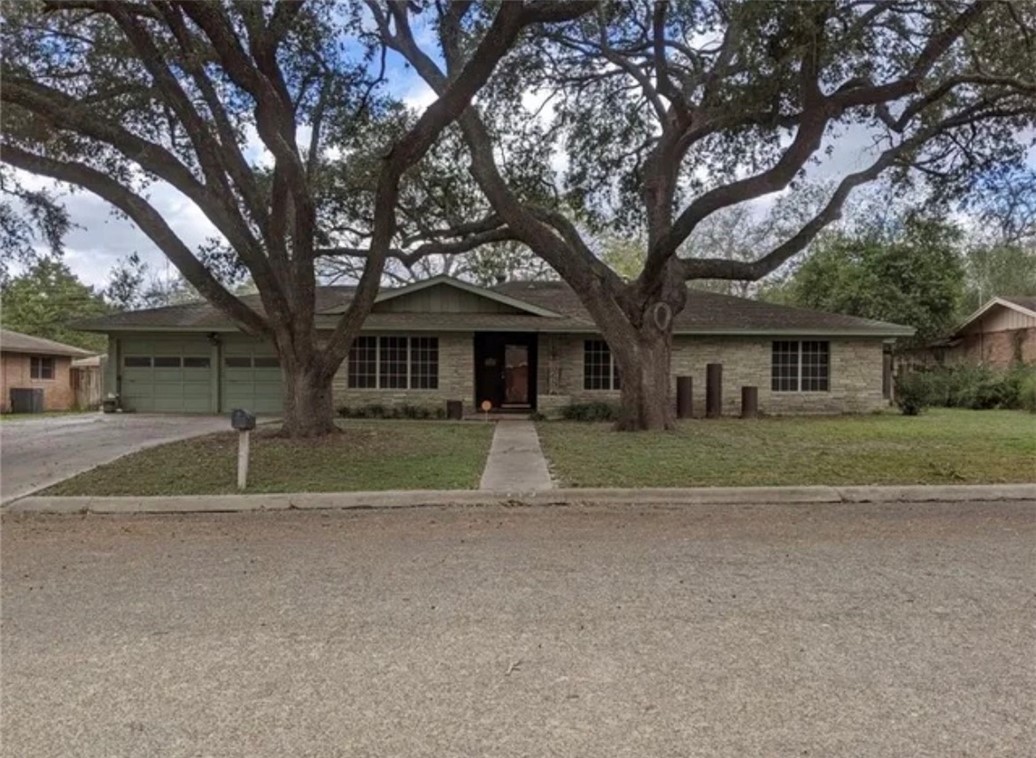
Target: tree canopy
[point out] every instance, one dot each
(46, 298)
(910, 274)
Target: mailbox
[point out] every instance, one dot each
(242, 420)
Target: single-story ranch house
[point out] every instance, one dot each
(1000, 334)
(520, 345)
(35, 363)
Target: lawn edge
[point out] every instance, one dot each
(556, 497)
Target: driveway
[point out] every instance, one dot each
(35, 453)
(764, 630)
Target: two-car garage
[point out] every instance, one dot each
(204, 374)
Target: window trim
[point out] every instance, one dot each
(614, 380)
(799, 376)
(41, 361)
(408, 358)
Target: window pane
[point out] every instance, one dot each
(424, 363)
(195, 362)
(136, 361)
(393, 363)
(166, 361)
(784, 368)
(236, 361)
(363, 363)
(266, 362)
(815, 366)
(597, 366)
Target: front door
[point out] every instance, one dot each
(505, 370)
(516, 376)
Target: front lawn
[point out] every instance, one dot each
(942, 446)
(369, 455)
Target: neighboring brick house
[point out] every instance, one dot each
(520, 345)
(1001, 333)
(36, 363)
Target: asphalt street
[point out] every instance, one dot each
(733, 630)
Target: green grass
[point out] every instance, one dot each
(369, 455)
(941, 446)
(39, 416)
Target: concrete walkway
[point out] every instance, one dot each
(516, 462)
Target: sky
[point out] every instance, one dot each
(101, 238)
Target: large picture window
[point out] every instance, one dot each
(41, 367)
(800, 366)
(394, 363)
(599, 369)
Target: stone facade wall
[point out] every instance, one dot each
(855, 375)
(57, 392)
(456, 380)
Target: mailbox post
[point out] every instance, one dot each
(244, 422)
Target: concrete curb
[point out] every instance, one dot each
(418, 498)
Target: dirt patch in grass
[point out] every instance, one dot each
(939, 447)
(368, 455)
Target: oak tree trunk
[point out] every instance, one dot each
(645, 366)
(308, 400)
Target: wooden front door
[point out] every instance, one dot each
(505, 370)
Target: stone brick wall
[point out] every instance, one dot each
(456, 380)
(57, 392)
(855, 371)
(855, 375)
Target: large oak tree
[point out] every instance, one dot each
(668, 113)
(228, 103)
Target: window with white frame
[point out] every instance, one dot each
(41, 367)
(394, 363)
(599, 369)
(800, 366)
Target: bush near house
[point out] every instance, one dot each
(974, 387)
(590, 412)
(404, 411)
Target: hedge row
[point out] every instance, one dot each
(976, 387)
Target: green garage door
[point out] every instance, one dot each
(251, 377)
(167, 376)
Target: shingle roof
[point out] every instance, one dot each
(197, 315)
(16, 342)
(706, 313)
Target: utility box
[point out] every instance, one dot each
(242, 420)
(26, 400)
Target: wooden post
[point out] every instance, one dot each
(684, 397)
(714, 390)
(749, 402)
(454, 410)
(243, 443)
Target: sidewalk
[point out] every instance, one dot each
(553, 497)
(516, 462)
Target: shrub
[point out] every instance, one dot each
(344, 411)
(589, 412)
(1027, 391)
(537, 416)
(913, 392)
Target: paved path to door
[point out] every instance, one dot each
(516, 462)
(36, 453)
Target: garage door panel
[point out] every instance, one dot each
(251, 378)
(164, 383)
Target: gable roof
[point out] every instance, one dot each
(16, 342)
(442, 280)
(542, 306)
(1021, 304)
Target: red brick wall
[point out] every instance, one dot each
(996, 349)
(57, 392)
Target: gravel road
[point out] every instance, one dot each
(824, 630)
